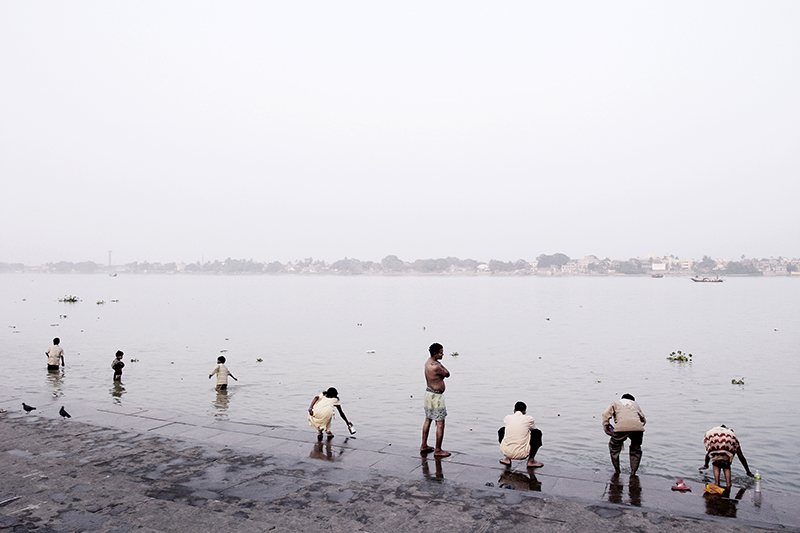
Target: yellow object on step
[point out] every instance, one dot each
(713, 489)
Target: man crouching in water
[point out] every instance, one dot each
(435, 373)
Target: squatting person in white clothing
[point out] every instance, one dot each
(520, 438)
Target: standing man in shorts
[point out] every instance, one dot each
(435, 373)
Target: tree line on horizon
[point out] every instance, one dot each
(391, 264)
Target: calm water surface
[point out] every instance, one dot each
(566, 346)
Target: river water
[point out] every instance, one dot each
(566, 346)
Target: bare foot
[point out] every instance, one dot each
(535, 464)
(441, 453)
(425, 449)
(505, 462)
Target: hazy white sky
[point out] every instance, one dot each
(173, 131)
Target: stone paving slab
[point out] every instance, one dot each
(103, 471)
(238, 427)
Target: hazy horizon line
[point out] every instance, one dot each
(308, 260)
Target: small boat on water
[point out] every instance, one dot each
(698, 279)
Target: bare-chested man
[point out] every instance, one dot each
(435, 373)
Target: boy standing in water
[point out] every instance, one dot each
(117, 365)
(222, 373)
(54, 354)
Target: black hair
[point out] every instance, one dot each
(56, 340)
(119, 353)
(627, 396)
(435, 348)
(331, 393)
(221, 359)
(520, 406)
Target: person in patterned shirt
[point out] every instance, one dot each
(721, 446)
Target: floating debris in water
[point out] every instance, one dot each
(370, 351)
(101, 302)
(260, 360)
(454, 354)
(737, 381)
(69, 299)
(680, 357)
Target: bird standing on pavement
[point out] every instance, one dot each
(64, 413)
(27, 407)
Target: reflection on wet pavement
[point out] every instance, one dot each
(323, 450)
(426, 469)
(519, 481)
(721, 504)
(615, 491)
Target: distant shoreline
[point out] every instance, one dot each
(556, 265)
(687, 275)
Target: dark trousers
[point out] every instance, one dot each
(536, 440)
(635, 449)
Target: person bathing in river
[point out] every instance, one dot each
(629, 423)
(55, 354)
(721, 446)
(435, 410)
(520, 438)
(222, 373)
(118, 365)
(320, 412)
